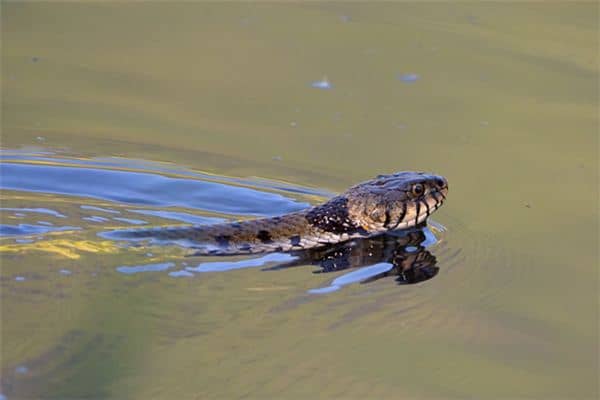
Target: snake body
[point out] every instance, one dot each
(388, 202)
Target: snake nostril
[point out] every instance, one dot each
(440, 182)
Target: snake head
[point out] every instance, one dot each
(396, 201)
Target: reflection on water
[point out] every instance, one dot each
(33, 210)
(145, 268)
(141, 188)
(403, 256)
(221, 266)
(164, 197)
(94, 208)
(179, 216)
(95, 218)
(32, 229)
(322, 84)
(131, 221)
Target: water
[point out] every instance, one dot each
(182, 113)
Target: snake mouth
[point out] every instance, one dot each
(418, 210)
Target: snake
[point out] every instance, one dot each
(397, 201)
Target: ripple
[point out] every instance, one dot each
(131, 221)
(181, 273)
(135, 269)
(30, 229)
(119, 163)
(409, 78)
(353, 277)
(94, 208)
(322, 84)
(142, 188)
(180, 216)
(32, 210)
(21, 369)
(95, 218)
(220, 266)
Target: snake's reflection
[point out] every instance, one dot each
(402, 255)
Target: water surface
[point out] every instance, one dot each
(116, 114)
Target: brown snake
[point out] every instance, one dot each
(388, 202)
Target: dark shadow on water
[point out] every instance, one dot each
(402, 256)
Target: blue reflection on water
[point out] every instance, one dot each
(21, 369)
(94, 208)
(30, 229)
(353, 277)
(95, 218)
(220, 266)
(409, 78)
(180, 216)
(129, 270)
(32, 210)
(151, 166)
(131, 221)
(322, 84)
(142, 188)
(181, 273)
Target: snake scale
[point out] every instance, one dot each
(388, 202)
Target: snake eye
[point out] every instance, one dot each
(417, 189)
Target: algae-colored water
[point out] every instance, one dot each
(125, 114)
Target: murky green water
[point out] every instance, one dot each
(501, 99)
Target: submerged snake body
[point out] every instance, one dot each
(388, 202)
